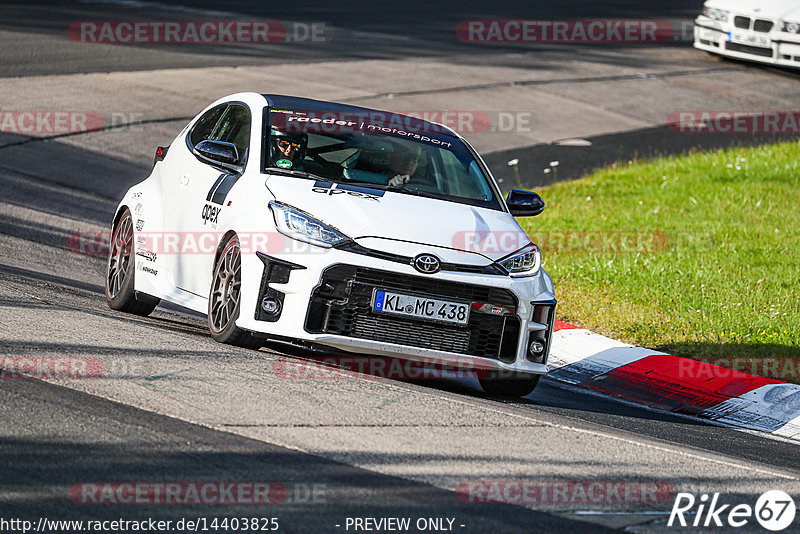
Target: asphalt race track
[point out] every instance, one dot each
(173, 406)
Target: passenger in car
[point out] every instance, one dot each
(403, 163)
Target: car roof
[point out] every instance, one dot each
(295, 102)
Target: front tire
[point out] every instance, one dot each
(504, 386)
(120, 271)
(224, 300)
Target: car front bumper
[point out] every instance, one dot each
(341, 318)
(773, 48)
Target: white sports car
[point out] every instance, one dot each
(342, 228)
(767, 31)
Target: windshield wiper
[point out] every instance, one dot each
(371, 185)
(390, 188)
(293, 172)
(415, 192)
(312, 176)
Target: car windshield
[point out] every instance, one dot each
(385, 150)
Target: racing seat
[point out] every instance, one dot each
(370, 167)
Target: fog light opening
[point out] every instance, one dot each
(271, 305)
(537, 347)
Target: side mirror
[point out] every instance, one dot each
(524, 203)
(218, 152)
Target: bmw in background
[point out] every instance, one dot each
(765, 31)
(342, 228)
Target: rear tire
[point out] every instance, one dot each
(224, 299)
(504, 386)
(121, 271)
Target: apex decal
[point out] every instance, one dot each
(211, 214)
(328, 188)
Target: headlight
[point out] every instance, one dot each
(524, 263)
(791, 27)
(297, 225)
(716, 14)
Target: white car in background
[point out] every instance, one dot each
(766, 31)
(338, 227)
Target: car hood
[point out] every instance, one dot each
(792, 15)
(776, 9)
(397, 222)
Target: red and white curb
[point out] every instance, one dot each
(674, 384)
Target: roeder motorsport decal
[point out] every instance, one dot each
(330, 189)
(396, 126)
(216, 195)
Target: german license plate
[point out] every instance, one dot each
(751, 40)
(420, 307)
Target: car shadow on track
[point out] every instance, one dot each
(549, 394)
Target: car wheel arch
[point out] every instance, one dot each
(221, 245)
(117, 216)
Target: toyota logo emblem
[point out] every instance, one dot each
(427, 263)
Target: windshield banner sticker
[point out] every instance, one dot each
(330, 189)
(391, 124)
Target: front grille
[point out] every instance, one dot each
(742, 22)
(342, 305)
(755, 50)
(762, 26)
(424, 335)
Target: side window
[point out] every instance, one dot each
(205, 124)
(465, 182)
(234, 127)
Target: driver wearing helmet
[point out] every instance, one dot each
(288, 150)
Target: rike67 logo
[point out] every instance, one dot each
(774, 510)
